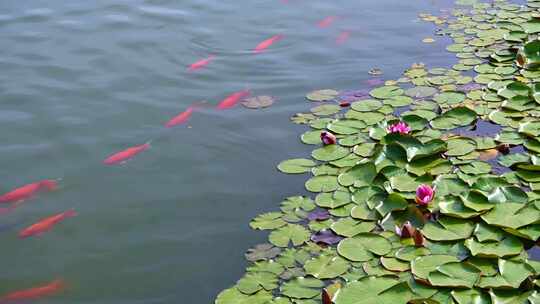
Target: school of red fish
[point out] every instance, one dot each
(19, 195)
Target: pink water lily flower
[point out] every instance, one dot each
(424, 195)
(328, 138)
(399, 127)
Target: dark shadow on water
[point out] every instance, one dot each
(482, 128)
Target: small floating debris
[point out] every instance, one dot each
(258, 102)
(375, 72)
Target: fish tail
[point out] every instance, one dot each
(49, 184)
(59, 284)
(70, 213)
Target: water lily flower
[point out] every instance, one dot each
(424, 195)
(328, 138)
(400, 127)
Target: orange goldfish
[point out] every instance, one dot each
(126, 154)
(35, 292)
(201, 63)
(268, 42)
(232, 99)
(27, 191)
(326, 22)
(46, 224)
(343, 37)
(180, 118)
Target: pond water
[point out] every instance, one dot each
(83, 79)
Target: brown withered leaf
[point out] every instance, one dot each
(488, 154)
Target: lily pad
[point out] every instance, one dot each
(296, 165)
(364, 247)
(322, 95)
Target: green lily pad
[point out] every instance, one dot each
(448, 229)
(296, 165)
(271, 220)
(386, 92)
(330, 152)
(322, 95)
(363, 247)
(302, 288)
(423, 265)
(326, 266)
(292, 233)
(454, 274)
(349, 227)
(457, 117)
(449, 97)
(234, 296)
(421, 91)
(507, 247)
(325, 110)
(367, 105)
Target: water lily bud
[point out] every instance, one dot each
(424, 195)
(328, 138)
(400, 127)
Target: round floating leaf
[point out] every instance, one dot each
(511, 275)
(330, 152)
(262, 252)
(349, 227)
(394, 264)
(322, 183)
(346, 126)
(367, 105)
(448, 229)
(302, 288)
(296, 165)
(386, 92)
(311, 137)
(333, 200)
(409, 253)
(398, 101)
(271, 220)
(423, 265)
(457, 117)
(363, 247)
(511, 215)
(365, 291)
(326, 266)
(449, 97)
(258, 102)
(507, 247)
(291, 233)
(255, 281)
(322, 95)
(454, 274)
(234, 296)
(359, 175)
(421, 91)
(324, 110)
(460, 146)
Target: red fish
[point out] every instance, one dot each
(27, 191)
(268, 42)
(232, 99)
(326, 22)
(126, 154)
(35, 292)
(46, 224)
(180, 118)
(343, 37)
(200, 64)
